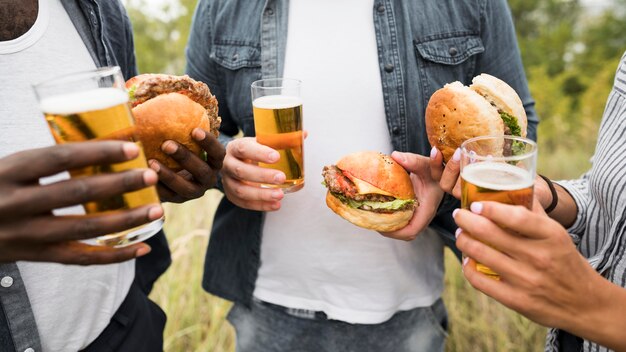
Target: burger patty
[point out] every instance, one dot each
(196, 91)
(338, 183)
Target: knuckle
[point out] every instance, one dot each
(62, 157)
(80, 190)
(238, 172)
(84, 228)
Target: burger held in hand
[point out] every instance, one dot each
(370, 190)
(488, 107)
(169, 107)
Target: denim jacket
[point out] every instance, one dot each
(422, 45)
(107, 33)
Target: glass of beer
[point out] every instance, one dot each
(277, 107)
(499, 169)
(93, 105)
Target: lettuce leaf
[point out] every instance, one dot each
(131, 93)
(511, 121)
(393, 205)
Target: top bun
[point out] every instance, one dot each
(380, 171)
(456, 113)
(168, 107)
(502, 96)
(169, 116)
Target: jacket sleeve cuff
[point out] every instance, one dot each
(579, 190)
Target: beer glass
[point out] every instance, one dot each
(93, 105)
(500, 169)
(277, 108)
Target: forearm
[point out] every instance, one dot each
(604, 318)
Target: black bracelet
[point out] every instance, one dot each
(555, 196)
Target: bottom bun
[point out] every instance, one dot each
(383, 222)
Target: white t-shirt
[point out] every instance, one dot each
(72, 304)
(310, 257)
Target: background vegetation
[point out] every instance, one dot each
(570, 55)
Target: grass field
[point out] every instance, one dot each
(196, 320)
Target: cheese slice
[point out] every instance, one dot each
(366, 188)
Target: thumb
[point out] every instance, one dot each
(409, 161)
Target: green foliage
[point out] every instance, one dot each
(161, 33)
(570, 58)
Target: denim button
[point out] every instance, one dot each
(453, 51)
(269, 12)
(6, 282)
(395, 130)
(381, 8)
(389, 68)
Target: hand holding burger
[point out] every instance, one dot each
(456, 113)
(177, 122)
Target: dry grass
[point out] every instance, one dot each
(196, 320)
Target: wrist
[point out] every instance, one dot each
(602, 317)
(542, 192)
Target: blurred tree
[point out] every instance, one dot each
(161, 30)
(545, 31)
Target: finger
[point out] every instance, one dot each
(78, 253)
(484, 230)
(48, 229)
(39, 199)
(488, 256)
(214, 150)
(247, 148)
(456, 191)
(436, 164)
(238, 169)
(514, 217)
(411, 162)
(42, 199)
(166, 194)
(197, 167)
(37, 163)
(242, 193)
(499, 290)
(451, 172)
(177, 183)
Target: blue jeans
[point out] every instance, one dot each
(270, 328)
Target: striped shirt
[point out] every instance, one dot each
(600, 226)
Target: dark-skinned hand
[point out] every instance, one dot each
(197, 175)
(28, 229)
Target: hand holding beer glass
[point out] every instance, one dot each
(93, 105)
(277, 107)
(499, 169)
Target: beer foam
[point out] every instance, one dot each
(91, 100)
(277, 102)
(497, 176)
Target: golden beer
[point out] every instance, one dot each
(102, 114)
(497, 182)
(278, 125)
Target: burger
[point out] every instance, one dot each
(488, 107)
(370, 190)
(168, 107)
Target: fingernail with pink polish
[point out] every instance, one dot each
(457, 232)
(455, 212)
(465, 261)
(476, 207)
(457, 155)
(433, 153)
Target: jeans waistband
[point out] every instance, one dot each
(295, 312)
